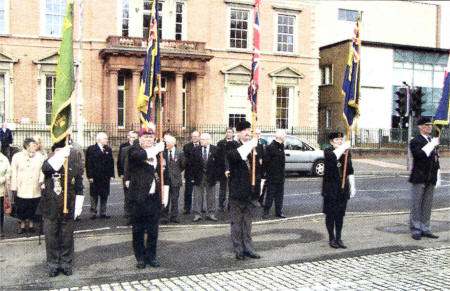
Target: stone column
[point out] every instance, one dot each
(177, 113)
(200, 103)
(111, 106)
(132, 112)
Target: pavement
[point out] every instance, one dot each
(295, 254)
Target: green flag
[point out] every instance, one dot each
(61, 100)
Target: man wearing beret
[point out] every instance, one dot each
(144, 197)
(242, 196)
(58, 227)
(424, 177)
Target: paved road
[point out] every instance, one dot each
(404, 270)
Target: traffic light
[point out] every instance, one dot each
(417, 102)
(401, 102)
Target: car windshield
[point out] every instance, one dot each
(291, 143)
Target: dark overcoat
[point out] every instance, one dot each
(6, 137)
(335, 198)
(212, 166)
(424, 168)
(121, 158)
(274, 162)
(100, 167)
(187, 151)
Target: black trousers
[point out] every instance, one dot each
(126, 201)
(224, 185)
(188, 189)
(142, 225)
(59, 243)
(275, 191)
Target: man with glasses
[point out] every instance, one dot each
(424, 177)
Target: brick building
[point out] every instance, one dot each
(205, 60)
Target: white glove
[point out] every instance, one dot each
(245, 149)
(341, 149)
(438, 180)
(429, 147)
(154, 150)
(78, 205)
(159, 147)
(165, 197)
(435, 141)
(57, 160)
(351, 181)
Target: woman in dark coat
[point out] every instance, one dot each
(334, 197)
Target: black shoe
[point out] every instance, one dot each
(78, 219)
(154, 263)
(416, 235)
(53, 273)
(240, 256)
(67, 271)
(21, 230)
(31, 229)
(334, 244)
(93, 216)
(265, 215)
(281, 215)
(174, 220)
(252, 255)
(186, 212)
(429, 234)
(221, 209)
(140, 265)
(105, 216)
(340, 243)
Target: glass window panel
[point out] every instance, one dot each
(423, 78)
(438, 79)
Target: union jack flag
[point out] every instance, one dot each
(441, 117)
(254, 77)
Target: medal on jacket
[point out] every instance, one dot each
(57, 188)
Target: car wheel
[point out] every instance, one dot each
(318, 168)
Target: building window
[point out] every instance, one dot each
(54, 15)
(183, 94)
(347, 15)
(325, 75)
(49, 91)
(121, 99)
(328, 118)
(125, 17)
(2, 98)
(147, 17)
(2, 16)
(179, 22)
(285, 33)
(282, 103)
(238, 28)
(234, 119)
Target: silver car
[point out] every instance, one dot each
(300, 156)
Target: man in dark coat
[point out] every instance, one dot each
(188, 186)
(174, 166)
(6, 140)
(221, 155)
(242, 197)
(58, 227)
(274, 165)
(144, 197)
(424, 177)
(334, 197)
(100, 173)
(121, 163)
(205, 173)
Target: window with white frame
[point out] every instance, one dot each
(2, 98)
(239, 20)
(49, 91)
(2, 16)
(325, 75)
(179, 21)
(282, 106)
(121, 99)
(147, 5)
(53, 17)
(183, 96)
(285, 33)
(347, 14)
(234, 119)
(125, 17)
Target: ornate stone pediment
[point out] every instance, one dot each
(50, 59)
(236, 69)
(5, 58)
(286, 72)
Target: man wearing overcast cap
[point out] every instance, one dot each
(242, 196)
(424, 177)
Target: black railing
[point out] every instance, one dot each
(364, 138)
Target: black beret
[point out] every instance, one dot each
(59, 144)
(336, 134)
(243, 125)
(423, 120)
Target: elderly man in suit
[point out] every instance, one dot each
(122, 163)
(100, 173)
(188, 186)
(242, 195)
(425, 175)
(221, 147)
(205, 173)
(144, 197)
(174, 166)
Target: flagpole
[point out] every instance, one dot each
(160, 134)
(66, 179)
